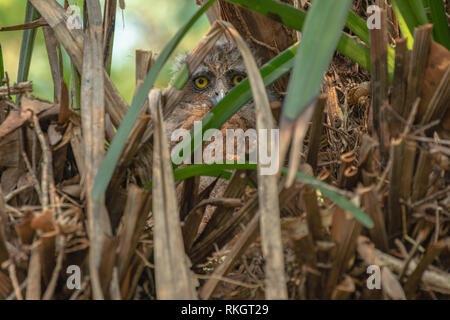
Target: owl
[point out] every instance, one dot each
(221, 70)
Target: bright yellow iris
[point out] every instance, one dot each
(201, 82)
(237, 79)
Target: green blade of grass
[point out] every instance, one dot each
(112, 156)
(403, 24)
(26, 49)
(321, 32)
(359, 54)
(406, 11)
(66, 66)
(440, 30)
(358, 26)
(418, 9)
(410, 14)
(217, 170)
(338, 199)
(2, 68)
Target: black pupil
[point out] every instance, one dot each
(201, 81)
(239, 79)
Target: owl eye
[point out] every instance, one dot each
(201, 82)
(238, 79)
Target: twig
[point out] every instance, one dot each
(6, 91)
(12, 209)
(22, 286)
(384, 175)
(411, 118)
(421, 237)
(425, 127)
(36, 185)
(83, 287)
(430, 140)
(144, 260)
(415, 277)
(14, 281)
(225, 202)
(46, 162)
(17, 191)
(431, 197)
(48, 182)
(30, 25)
(55, 275)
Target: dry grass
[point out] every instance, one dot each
(384, 146)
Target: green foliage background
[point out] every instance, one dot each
(147, 25)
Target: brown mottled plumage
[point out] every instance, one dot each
(222, 69)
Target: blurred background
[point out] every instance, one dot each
(144, 24)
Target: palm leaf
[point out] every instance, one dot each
(410, 14)
(441, 31)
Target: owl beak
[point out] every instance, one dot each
(220, 94)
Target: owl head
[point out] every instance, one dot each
(222, 69)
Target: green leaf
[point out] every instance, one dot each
(403, 24)
(321, 32)
(26, 49)
(181, 78)
(441, 31)
(358, 53)
(75, 83)
(112, 156)
(410, 14)
(358, 26)
(216, 170)
(2, 68)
